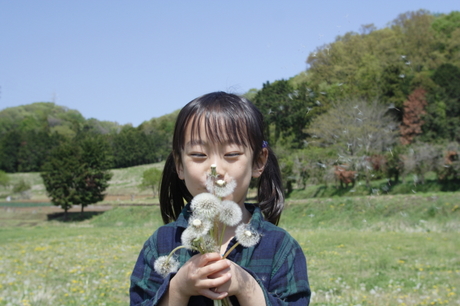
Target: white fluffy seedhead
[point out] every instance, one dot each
(187, 238)
(208, 244)
(165, 265)
(210, 183)
(230, 213)
(225, 189)
(205, 205)
(199, 225)
(220, 188)
(246, 235)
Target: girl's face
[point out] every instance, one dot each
(232, 162)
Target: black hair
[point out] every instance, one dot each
(231, 118)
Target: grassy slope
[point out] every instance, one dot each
(385, 250)
(124, 187)
(123, 184)
(362, 250)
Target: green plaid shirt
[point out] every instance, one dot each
(277, 263)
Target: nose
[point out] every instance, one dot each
(219, 168)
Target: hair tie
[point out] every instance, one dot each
(264, 144)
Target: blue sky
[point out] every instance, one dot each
(130, 61)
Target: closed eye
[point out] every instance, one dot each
(233, 154)
(199, 155)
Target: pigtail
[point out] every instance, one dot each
(172, 192)
(270, 193)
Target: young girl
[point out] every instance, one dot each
(226, 131)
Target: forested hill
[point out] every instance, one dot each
(414, 60)
(53, 118)
(369, 93)
(28, 134)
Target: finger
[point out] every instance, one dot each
(215, 267)
(219, 273)
(219, 282)
(209, 258)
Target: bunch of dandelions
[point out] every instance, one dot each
(202, 233)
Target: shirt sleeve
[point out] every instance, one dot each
(147, 286)
(287, 281)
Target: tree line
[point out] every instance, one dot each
(380, 103)
(29, 133)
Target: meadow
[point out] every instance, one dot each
(369, 250)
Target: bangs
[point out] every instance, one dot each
(223, 118)
(219, 127)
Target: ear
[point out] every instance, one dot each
(259, 163)
(179, 167)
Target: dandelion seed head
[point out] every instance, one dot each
(188, 238)
(246, 235)
(205, 205)
(199, 225)
(164, 265)
(227, 189)
(230, 213)
(208, 244)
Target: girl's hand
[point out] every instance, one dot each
(201, 275)
(242, 285)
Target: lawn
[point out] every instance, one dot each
(398, 250)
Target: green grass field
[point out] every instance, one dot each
(378, 250)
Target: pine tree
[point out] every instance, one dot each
(77, 173)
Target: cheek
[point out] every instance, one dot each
(194, 179)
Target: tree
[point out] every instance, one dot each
(394, 85)
(97, 161)
(131, 147)
(442, 118)
(394, 165)
(61, 175)
(273, 101)
(151, 178)
(422, 158)
(419, 39)
(77, 173)
(9, 147)
(357, 130)
(414, 109)
(446, 24)
(35, 148)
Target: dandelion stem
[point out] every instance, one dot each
(231, 249)
(222, 234)
(226, 302)
(173, 251)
